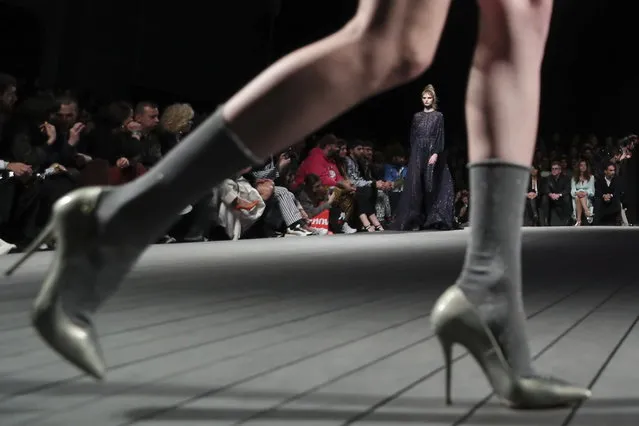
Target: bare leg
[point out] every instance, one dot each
(502, 113)
(579, 209)
(365, 222)
(584, 206)
(502, 104)
(386, 44)
(375, 220)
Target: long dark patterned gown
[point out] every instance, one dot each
(427, 201)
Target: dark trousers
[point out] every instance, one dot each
(558, 213)
(366, 197)
(607, 213)
(195, 225)
(534, 214)
(269, 224)
(32, 203)
(394, 198)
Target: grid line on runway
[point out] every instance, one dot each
(128, 299)
(332, 310)
(117, 306)
(171, 320)
(214, 309)
(140, 341)
(133, 294)
(397, 324)
(127, 293)
(282, 366)
(601, 370)
(124, 303)
(200, 303)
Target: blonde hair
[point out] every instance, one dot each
(176, 118)
(431, 89)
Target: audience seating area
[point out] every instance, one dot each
(52, 143)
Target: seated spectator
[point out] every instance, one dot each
(316, 199)
(239, 205)
(147, 116)
(176, 122)
(607, 205)
(271, 224)
(296, 219)
(395, 171)
(31, 140)
(462, 210)
(276, 169)
(70, 131)
(365, 188)
(116, 140)
(382, 205)
(557, 206)
(582, 191)
(9, 172)
(321, 162)
(534, 212)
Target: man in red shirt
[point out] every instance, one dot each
(320, 162)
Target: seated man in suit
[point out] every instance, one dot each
(534, 214)
(608, 198)
(556, 203)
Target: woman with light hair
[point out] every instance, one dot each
(177, 122)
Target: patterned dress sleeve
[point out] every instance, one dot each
(439, 142)
(414, 130)
(355, 175)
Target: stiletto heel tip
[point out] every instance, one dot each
(98, 376)
(11, 270)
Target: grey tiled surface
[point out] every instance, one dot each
(329, 331)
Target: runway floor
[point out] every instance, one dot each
(325, 331)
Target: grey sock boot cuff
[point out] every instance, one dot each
(496, 162)
(242, 149)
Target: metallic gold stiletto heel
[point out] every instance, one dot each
(46, 233)
(456, 320)
(447, 348)
(84, 271)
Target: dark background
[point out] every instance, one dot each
(202, 52)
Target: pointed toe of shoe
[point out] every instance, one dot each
(542, 393)
(78, 344)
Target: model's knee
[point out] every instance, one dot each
(411, 61)
(390, 62)
(388, 55)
